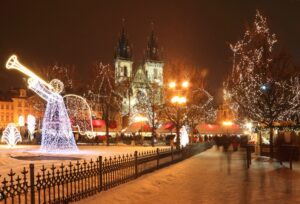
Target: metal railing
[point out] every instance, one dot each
(75, 181)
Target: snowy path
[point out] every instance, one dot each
(209, 177)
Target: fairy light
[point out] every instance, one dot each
(184, 137)
(57, 135)
(31, 121)
(11, 135)
(253, 77)
(80, 113)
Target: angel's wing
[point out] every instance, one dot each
(79, 113)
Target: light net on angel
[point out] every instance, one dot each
(57, 135)
(80, 114)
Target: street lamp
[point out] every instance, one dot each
(172, 85)
(185, 84)
(179, 99)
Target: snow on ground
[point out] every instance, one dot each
(22, 155)
(210, 177)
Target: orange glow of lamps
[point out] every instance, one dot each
(185, 84)
(172, 85)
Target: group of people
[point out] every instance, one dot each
(226, 140)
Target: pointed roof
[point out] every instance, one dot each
(123, 49)
(152, 50)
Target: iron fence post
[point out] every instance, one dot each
(32, 195)
(136, 163)
(100, 173)
(157, 162)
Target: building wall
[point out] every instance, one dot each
(224, 113)
(120, 65)
(154, 72)
(11, 110)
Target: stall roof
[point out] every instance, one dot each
(142, 126)
(215, 129)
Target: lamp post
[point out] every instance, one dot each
(178, 100)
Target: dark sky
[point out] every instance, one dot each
(81, 32)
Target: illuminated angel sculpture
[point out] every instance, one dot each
(57, 133)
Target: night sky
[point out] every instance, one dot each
(82, 32)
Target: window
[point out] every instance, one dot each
(155, 74)
(7, 106)
(2, 106)
(125, 71)
(19, 104)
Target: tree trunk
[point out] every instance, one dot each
(260, 143)
(107, 126)
(153, 128)
(177, 137)
(178, 129)
(271, 142)
(107, 132)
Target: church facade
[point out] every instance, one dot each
(138, 80)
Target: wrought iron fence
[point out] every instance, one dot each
(75, 181)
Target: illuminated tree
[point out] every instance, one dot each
(64, 73)
(261, 84)
(149, 105)
(103, 92)
(200, 108)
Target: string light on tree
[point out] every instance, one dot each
(261, 87)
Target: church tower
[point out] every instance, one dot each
(153, 64)
(123, 58)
